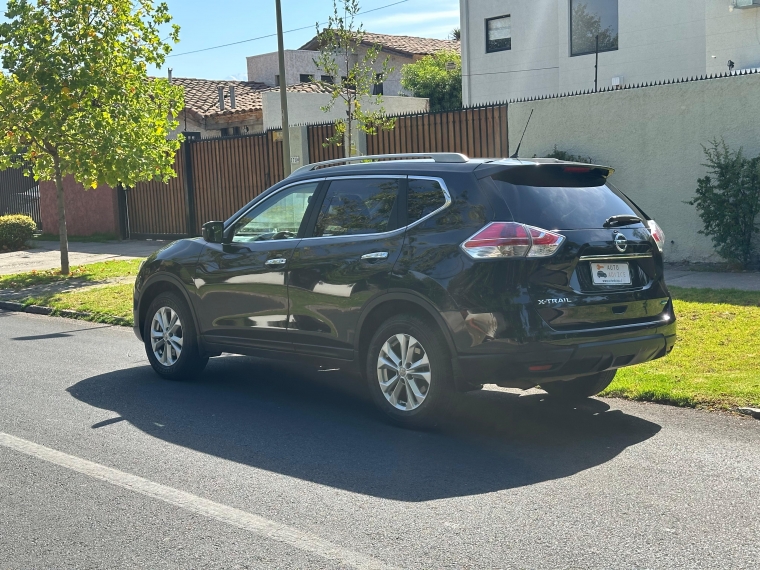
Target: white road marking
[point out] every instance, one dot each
(253, 523)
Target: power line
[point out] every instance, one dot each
(273, 35)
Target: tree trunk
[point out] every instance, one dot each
(62, 232)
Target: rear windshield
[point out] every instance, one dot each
(563, 207)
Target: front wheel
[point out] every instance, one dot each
(580, 388)
(409, 371)
(170, 339)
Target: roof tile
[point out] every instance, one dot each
(202, 96)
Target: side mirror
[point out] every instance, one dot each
(213, 232)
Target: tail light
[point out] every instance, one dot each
(510, 239)
(657, 234)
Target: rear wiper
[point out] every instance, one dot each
(622, 220)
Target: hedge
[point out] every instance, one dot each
(15, 230)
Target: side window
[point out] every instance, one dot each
(278, 217)
(423, 197)
(357, 206)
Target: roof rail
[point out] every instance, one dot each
(450, 157)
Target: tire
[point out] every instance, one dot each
(415, 399)
(183, 361)
(580, 388)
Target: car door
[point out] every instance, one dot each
(242, 285)
(344, 260)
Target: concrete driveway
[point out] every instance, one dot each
(46, 254)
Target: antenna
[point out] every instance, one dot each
(517, 152)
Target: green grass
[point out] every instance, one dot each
(716, 361)
(92, 272)
(94, 238)
(107, 304)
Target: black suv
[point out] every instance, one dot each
(426, 275)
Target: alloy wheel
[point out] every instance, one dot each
(403, 371)
(166, 336)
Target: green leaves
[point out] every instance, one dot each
(728, 201)
(76, 95)
(429, 77)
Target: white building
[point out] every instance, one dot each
(514, 49)
(300, 67)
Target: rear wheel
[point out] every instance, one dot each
(170, 339)
(580, 388)
(409, 372)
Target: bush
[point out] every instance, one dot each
(728, 201)
(429, 77)
(15, 230)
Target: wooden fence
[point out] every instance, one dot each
(479, 132)
(216, 177)
(20, 194)
(317, 136)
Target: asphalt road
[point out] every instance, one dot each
(258, 465)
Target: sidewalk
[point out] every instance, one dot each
(749, 281)
(46, 254)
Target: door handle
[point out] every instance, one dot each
(276, 262)
(375, 255)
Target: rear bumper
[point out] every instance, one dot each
(545, 361)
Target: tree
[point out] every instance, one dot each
(76, 98)
(437, 77)
(728, 201)
(586, 27)
(456, 34)
(355, 75)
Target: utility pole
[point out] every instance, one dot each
(596, 67)
(283, 94)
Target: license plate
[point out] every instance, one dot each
(610, 274)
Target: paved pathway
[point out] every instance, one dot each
(46, 255)
(746, 281)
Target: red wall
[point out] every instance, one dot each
(87, 211)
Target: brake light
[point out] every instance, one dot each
(510, 239)
(657, 234)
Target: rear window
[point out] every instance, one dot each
(563, 207)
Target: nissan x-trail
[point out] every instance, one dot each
(425, 276)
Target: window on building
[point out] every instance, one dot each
(498, 34)
(235, 131)
(277, 79)
(377, 88)
(305, 78)
(592, 18)
(225, 132)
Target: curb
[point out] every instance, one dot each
(66, 313)
(752, 412)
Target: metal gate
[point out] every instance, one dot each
(20, 194)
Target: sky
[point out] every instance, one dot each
(204, 24)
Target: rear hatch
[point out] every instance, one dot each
(609, 270)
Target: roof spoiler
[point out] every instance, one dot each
(488, 168)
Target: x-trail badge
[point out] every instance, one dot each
(621, 243)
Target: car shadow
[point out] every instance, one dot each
(323, 428)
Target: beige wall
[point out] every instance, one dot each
(265, 67)
(305, 108)
(658, 40)
(652, 136)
